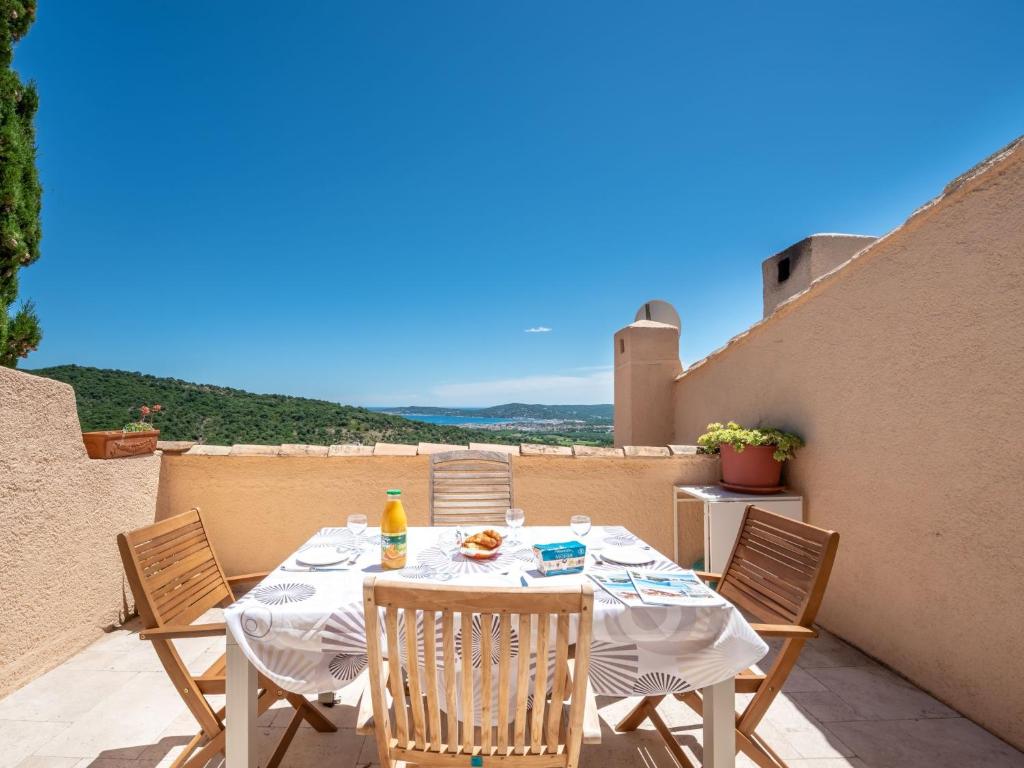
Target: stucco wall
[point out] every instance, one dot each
(260, 508)
(904, 371)
(61, 580)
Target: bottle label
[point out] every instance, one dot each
(392, 546)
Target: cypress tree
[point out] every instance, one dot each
(20, 191)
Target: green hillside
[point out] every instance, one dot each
(108, 399)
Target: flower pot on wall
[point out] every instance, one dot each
(116, 444)
(754, 469)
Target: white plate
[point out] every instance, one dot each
(627, 555)
(321, 557)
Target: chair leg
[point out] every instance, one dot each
(286, 739)
(204, 755)
(316, 718)
(668, 737)
(638, 714)
(754, 747)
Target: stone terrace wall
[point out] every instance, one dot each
(262, 501)
(61, 580)
(904, 370)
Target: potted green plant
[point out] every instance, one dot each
(135, 439)
(751, 458)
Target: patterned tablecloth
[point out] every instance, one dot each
(305, 630)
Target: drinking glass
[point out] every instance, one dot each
(515, 519)
(357, 527)
(580, 525)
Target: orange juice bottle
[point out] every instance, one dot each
(393, 527)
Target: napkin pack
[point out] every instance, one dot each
(559, 558)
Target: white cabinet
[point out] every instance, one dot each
(723, 512)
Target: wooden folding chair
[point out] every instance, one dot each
(470, 488)
(777, 573)
(536, 729)
(176, 578)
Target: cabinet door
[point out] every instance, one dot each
(722, 526)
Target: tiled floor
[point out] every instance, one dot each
(111, 706)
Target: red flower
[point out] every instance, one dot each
(157, 408)
(144, 410)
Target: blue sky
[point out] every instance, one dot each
(373, 202)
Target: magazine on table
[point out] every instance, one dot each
(618, 585)
(669, 587)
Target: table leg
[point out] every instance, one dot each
(720, 725)
(240, 702)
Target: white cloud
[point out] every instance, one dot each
(551, 389)
(538, 329)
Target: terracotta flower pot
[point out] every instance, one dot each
(753, 468)
(115, 444)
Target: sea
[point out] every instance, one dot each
(458, 421)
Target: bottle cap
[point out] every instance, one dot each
(394, 492)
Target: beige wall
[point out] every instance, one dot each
(61, 580)
(646, 364)
(260, 508)
(904, 371)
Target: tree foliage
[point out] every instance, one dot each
(20, 191)
(108, 399)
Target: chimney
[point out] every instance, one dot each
(646, 365)
(792, 271)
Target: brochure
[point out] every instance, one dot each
(618, 585)
(669, 587)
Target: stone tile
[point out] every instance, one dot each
(292, 449)
(594, 451)
(800, 681)
(646, 452)
(428, 448)
(877, 694)
(536, 449)
(350, 450)
(254, 450)
(20, 739)
(827, 650)
(796, 729)
(40, 761)
(124, 723)
(174, 446)
(512, 450)
(393, 449)
(828, 762)
(946, 743)
(683, 450)
(209, 450)
(62, 694)
(311, 749)
(824, 706)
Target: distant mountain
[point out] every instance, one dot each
(598, 414)
(108, 399)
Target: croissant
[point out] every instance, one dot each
(488, 539)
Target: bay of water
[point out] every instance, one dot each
(465, 421)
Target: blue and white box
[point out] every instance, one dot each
(559, 558)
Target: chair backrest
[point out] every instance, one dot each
(173, 571)
(515, 641)
(779, 568)
(470, 488)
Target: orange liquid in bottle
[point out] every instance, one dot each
(393, 533)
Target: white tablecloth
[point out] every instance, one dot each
(305, 630)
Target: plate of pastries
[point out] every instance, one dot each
(482, 545)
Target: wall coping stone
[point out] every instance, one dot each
(350, 450)
(427, 448)
(538, 449)
(683, 450)
(394, 449)
(174, 446)
(255, 450)
(294, 449)
(511, 450)
(646, 452)
(589, 451)
(402, 449)
(209, 450)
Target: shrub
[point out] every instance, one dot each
(786, 443)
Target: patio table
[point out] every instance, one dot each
(304, 630)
